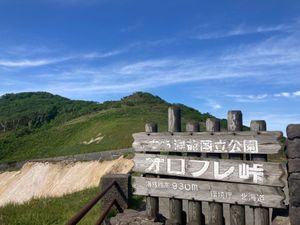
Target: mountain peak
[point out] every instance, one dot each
(142, 98)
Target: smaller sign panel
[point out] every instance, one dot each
(262, 173)
(245, 142)
(242, 194)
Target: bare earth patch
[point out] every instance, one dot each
(95, 140)
(44, 179)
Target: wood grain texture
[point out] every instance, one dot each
(274, 174)
(216, 209)
(242, 194)
(192, 126)
(208, 142)
(261, 214)
(195, 215)
(174, 119)
(175, 205)
(235, 124)
(234, 120)
(213, 125)
(152, 203)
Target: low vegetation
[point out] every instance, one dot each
(54, 211)
(50, 210)
(38, 125)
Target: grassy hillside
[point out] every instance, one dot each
(44, 125)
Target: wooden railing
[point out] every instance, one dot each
(78, 216)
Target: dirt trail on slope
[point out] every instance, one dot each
(45, 179)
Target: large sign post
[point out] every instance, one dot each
(231, 181)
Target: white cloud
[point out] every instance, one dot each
(214, 104)
(296, 93)
(288, 94)
(275, 121)
(282, 94)
(263, 97)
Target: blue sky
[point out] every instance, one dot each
(212, 55)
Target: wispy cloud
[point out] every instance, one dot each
(238, 31)
(29, 61)
(26, 50)
(126, 76)
(94, 55)
(131, 27)
(263, 97)
(143, 75)
(77, 2)
(269, 60)
(249, 98)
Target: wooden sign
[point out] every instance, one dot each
(246, 142)
(262, 173)
(243, 194)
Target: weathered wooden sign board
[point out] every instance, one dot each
(243, 194)
(263, 173)
(246, 142)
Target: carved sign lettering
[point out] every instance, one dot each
(262, 173)
(219, 142)
(243, 194)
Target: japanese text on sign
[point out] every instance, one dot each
(199, 167)
(220, 146)
(217, 195)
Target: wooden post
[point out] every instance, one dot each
(124, 197)
(150, 127)
(152, 204)
(261, 214)
(192, 126)
(174, 119)
(175, 205)
(258, 125)
(235, 123)
(213, 125)
(293, 155)
(235, 120)
(194, 207)
(216, 209)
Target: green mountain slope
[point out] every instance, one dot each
(38, 125)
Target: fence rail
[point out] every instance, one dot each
(78, 216)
